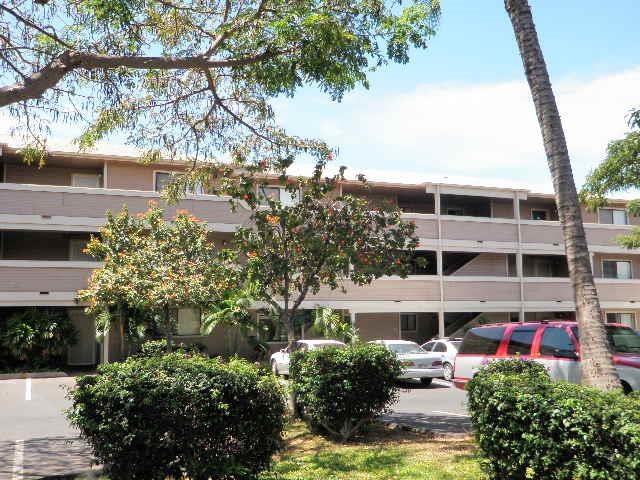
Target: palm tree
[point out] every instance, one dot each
(597, 363)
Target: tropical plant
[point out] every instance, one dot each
(332, 324)
(156, 266)
(597, 362)
(37, 337)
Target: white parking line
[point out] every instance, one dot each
(27, 389)
(18, 460)
(450, 413)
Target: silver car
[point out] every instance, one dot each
(416, 362)
(448, 347)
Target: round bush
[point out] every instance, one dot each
(341, 389)
(175, 416)
(530, 427)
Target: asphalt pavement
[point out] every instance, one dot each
(36, 440)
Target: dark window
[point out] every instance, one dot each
(440, 347)
(616, 269)
(482, 341)
(613, 216)
(408, 321)
(428, 346)
(556, 342)
(521, 340)
(623, 340)
(162, 179)
(539, 214)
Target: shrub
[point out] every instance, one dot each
(153, 348)
(37, 337)
(529, 427)
(174, 415)
(341, 389)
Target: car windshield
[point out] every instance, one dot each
(403, 348)
(621, 340)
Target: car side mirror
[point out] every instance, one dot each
(573, 355)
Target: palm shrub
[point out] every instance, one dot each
(178, 416)
(342, 389)
(529, 427)
(37, 337)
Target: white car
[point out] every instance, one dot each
(280, 360)
(448, 347)
(416, 362)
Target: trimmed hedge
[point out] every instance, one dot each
(176, 415)
(342, 389)
(529, 427)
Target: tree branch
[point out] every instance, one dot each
(34, 86)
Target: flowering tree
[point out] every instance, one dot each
(154, 265)
(293, 250)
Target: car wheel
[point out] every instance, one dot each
(426, 381)
(274, 368)
(448, 371)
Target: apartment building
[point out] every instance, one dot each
(492, 254)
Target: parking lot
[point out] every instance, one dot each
(37, 442)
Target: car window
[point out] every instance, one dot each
(482, 341)
(403, 348)
(556, 341)
(440, 347)
(428, 346)
(623, 340)
(521, 340)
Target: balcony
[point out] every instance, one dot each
(426, 224)
(44, 277)
(423, 288)
(545, 232)
(22, 204)
(479, 230)
(481, 289)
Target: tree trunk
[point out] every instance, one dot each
(598, 369)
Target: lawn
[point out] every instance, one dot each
(381, 454)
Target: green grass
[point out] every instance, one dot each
(381, 454)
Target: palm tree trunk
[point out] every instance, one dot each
(598, 369)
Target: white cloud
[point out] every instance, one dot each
(485, 133)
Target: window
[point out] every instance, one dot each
(162, 179)
(482, 341)
(626, 318)
(279, 194)
(440, 347)
(521, 340)
(556, 343)
(188, 321)
(454, 211)
(616, 269)
(76, 247)
(408, 322)
(539, 215)
(428, 346)
(613, 216)
(89, 180)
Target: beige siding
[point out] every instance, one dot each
(543, 233)
(501, 208)
(373, 326)
(485, 264)
(385, 289)
(47, 175)
(425, 228)
(132, 176)
(43, 279)
(603, 236)
(475, 291)
(82, 204)
(618, 291)
(485, 231)
(548, 291)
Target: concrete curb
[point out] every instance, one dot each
(424, 430)
(20, 375)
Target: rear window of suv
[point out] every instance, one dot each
(482, 341)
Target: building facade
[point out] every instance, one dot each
(491, 254)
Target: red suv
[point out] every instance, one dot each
(555, 344)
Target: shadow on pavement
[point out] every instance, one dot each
(417, 385)
(49, 458)
(438, 424)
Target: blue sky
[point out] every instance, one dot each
(461, 109)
